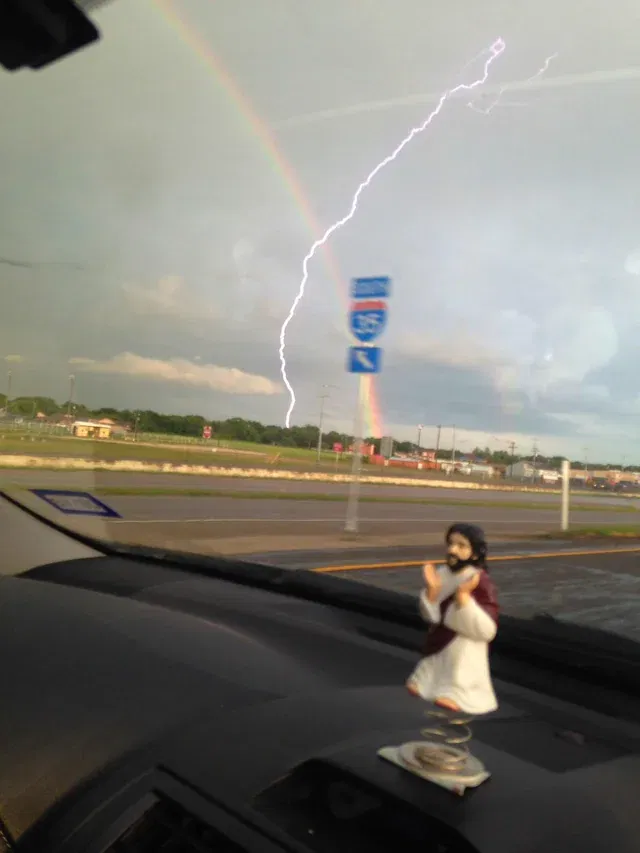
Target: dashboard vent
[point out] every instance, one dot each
(167, 828)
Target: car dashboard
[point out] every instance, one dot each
(151, 708)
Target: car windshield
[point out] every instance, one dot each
(306, 283)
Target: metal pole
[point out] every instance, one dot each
(564, 511)
(351, 525)
(453, 445)
(438, 440)
(419, 436)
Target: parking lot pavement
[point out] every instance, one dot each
(599, 590)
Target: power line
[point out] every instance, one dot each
(13, 262)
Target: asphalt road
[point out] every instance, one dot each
(219, 516)
(202, 523)
(599, 590)
(106, 479)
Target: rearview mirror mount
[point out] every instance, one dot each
(37, 33)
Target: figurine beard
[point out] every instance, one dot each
(457, 565)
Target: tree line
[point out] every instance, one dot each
(241, 429)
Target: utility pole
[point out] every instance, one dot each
(438, 440)
(535, 457)
(72, 388)
(453, 445)
(9, 380)
(419, 436)
(512, 447)
(323, 397)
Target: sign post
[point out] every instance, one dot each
(367, 320)
(351, 524)
(566, 479)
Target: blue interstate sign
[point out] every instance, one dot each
(75, 503)
(371, 288)
(364, 360)
(367, 319)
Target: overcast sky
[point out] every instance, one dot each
(167, 246)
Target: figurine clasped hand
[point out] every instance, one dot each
(432, 581)
(465, 590)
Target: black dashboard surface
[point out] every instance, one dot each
(154, 679)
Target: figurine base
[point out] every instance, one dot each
(470, 773)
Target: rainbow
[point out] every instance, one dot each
(278, 161)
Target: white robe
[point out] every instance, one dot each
(460, 671)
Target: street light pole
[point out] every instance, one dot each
(419, 436)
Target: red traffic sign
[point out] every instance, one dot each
(337, 447)
(206, 432)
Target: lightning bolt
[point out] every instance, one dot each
(497, 100)
(496, 49)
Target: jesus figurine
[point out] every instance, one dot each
(459, 602)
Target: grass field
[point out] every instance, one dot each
(617, 531)
(196, 452)
(229, 454)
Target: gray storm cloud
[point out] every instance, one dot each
(511, 237)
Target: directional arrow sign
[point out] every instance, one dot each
(365, 359)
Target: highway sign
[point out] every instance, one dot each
(367, 319)
(365, 360)
(75, 503)
(371, 288)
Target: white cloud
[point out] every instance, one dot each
(632, 263)
(228, 380)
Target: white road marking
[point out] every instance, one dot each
(288, 519)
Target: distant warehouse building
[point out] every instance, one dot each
(526, 471)
(89, 429)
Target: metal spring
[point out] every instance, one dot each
(446, 749)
